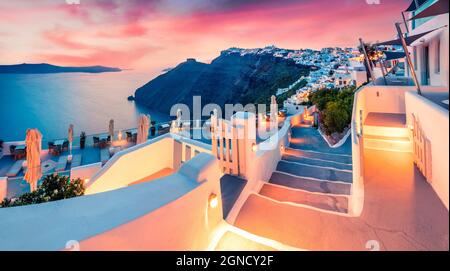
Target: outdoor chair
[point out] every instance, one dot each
(20, 154)
(103, 143)
(129, 136)
(12, 148)
(57, 150)
(96, 141)
(65, 146)
(51, 148)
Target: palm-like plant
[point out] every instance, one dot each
(371, 51)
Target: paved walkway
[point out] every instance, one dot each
(308, 138)
(401, 210)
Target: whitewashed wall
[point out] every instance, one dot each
(434, 121)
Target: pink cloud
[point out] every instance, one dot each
(149, 33)
(126, 31)
(100, 56)
(62, 38)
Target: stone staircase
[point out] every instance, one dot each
(313, 179)
(386, 131)
(306, 183)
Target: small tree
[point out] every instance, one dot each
(54, 187)
(335, 118)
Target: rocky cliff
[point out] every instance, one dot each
(233, 77)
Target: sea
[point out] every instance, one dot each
(51, 102)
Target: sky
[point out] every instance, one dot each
(152, 35)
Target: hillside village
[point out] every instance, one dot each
(332, 68)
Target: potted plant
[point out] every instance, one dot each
(153, 128)
(82, 140)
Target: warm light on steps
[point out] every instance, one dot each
(386, 131)
(224, 227)
(325, 201)
(397, 144)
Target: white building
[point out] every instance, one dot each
(430, 53)
(342, 80)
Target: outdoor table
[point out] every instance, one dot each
(20, 147)
(59, 142)
(19, 152)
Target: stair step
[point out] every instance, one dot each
(302, 227)
(341, 158)
(309, 184)
(317, 162)
(304, 125)
(321, 173)
(383, 131)
(336, 203)
(394, 120)
(399, 144)
(231, 241)
(382, 124)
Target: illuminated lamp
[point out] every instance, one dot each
(254, 147)
(213, 200)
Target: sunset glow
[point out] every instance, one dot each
(153, 35)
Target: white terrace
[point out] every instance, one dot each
(289, 192)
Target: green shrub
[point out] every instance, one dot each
(335, 118)
(336, 108)
(54, 187)
(322, 97)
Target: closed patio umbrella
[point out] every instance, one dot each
(143, 126)
(34, 171)
(111, 129)
(273, 108)
(70, 137)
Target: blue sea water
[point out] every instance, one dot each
(50, 102)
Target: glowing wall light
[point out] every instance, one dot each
(213, 200)
(254, 147)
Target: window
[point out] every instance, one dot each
(437, 64)
(415, 57)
